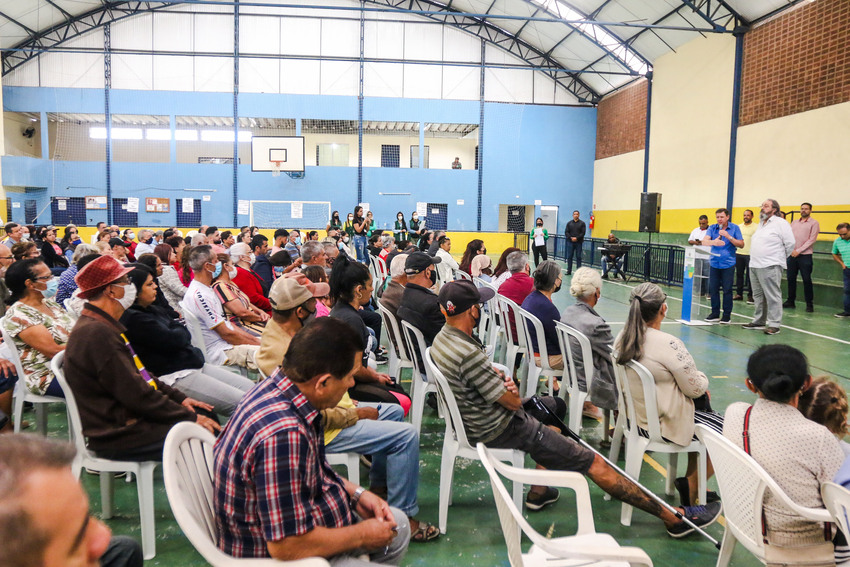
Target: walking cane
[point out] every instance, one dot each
(555, 420)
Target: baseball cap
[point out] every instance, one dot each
(397, 265)
(113, 242)
(97, 274)
(458, 296)
(288, 293)
(418, 261)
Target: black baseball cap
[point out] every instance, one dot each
(113, 242)
(458, 296)
(418, 261)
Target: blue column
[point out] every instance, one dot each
(107, 115)
(736, 112)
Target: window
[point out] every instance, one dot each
(335, 155)
(390, 155)
(414, 156)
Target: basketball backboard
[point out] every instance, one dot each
(286, 153)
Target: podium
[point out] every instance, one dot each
(694, 286)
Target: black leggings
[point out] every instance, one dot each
(538, 250)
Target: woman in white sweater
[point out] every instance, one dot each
(681, 389)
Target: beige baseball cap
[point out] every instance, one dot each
(288, 293)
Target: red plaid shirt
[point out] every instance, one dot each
(271, 476)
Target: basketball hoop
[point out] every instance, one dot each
(275, 169)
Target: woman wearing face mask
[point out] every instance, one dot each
(547, 281)
(164, 346)
(360, 226)
(39, 327)
(473, 249)
(370, 224)
(247, 279)
(130, 238)
(416, 227)
(539, 236)
(69, 242)
(681, 389)
(169, 280)
(334, 228)
(237, 306)
(52, 253)
(400, 230)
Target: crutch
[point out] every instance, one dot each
(555, 420)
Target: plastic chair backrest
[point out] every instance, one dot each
(461, 275)
(532, 324)
(14, 355)
(76, 433)
(836, 498)
(508, 309)
(509, 517)
(650, 401)
(416, 348)
(396, 340)
(743, 482)
(568, 337)
(454, 422)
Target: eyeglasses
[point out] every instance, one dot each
(42, 278)
(7, 257)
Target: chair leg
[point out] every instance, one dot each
(41, 418)
(672, 468)
(144, 486)
(446, 471)
(107, 491)
(19, 411)
(703, 477)
(354, 468)
(634, 459)
(519, 462)
(418, 402)
(726, 548)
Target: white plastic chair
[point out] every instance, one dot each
(22, 393)
(488, 328)
(585, 548)
(422, 382)
(187, 465)
(836, 498)
(461, 275)
(743, 483)
(637, 445)
(456, 444)
(514, 341)
(142, 471)
(399, 357)
(570, 385)
(351, 461)
(536, 369)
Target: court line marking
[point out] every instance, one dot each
(842, 341)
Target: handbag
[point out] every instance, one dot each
(817, 555)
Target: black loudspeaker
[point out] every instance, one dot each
(650, 212)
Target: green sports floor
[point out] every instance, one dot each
(474, 536)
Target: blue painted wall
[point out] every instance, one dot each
(536, 152)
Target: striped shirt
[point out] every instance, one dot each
(271, 479)
(474, 383)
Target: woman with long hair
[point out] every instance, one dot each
(334, 228)
(400, 230)
(185, 271)
(473, 249)
(681, 389)
(501, 272)
(538, 237)
(52, 252)
(169, 281)
(360, 226)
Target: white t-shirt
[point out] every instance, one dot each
(539, 240)
(699, 234)
(201, 301)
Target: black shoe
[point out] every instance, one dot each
(431, 400)
(726, 321)
(701, 516)
(810, 308)
(789, 305)
(539, 501)
(771, 331)
(753, 326)
(713, 318)
(842, 315)
(605, 276)
(570, 273)
(381, 358)
(683, 488)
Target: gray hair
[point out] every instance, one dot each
(586, 281)
(546, 275)
(238, 250)
(21, 455)
(158, 234)
(144, 234)
(645, 302)
(81, 250)
(199, 256)
(311, 249)
(776, 208)
(516, 261)
(387, 241)
(197, 238)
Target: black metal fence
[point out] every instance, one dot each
(660, 263)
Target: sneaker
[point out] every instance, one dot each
(842, 315)
(713, 318)
(810, 308)
(539, 501)
(701, 516)
(738, 298)
(753, 326)
(750, 300)
(789, 305)
(771, 331)
(381, 358)
(726, 321)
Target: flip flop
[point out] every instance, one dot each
(425, 532)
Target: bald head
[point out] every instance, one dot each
(6, 258)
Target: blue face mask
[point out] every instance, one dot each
(298, 241)
(52, 288)
(217, 271)
(77, 241)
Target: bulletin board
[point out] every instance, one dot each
(157, 205)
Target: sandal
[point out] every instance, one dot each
(425, 532)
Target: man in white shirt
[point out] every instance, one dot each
(146, 243)
(771, 244)
(224, 342)
(695, 239)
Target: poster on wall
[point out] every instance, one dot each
(62, 204)
(422, 208)
(132, 204)
(366, 208)
(188, 205)
(244, 207)
(157, 205)
(96, 202)
(297, 210)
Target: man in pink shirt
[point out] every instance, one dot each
(806, 230)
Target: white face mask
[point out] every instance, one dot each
(253, 258)
(232, 272)
(131, 236)
(129, 296)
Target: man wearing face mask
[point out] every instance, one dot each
(419, 305)
(126, 412)
(293, 246)
(146, 243)
(225, 343)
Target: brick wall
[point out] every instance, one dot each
(796, 62)
(621, 121)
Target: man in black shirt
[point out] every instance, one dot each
(575, 237)
(419, 305)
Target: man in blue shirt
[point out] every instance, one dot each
(724, 237)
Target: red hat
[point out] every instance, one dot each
(98, 274)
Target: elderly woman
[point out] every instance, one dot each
(681, 389)
(25, 251)
(586, 287)
(67, 285)
(164, 346)
(169, 280)
(796, 452)
(39, 327)
(237, 306)
(547, 281)
(481, 268)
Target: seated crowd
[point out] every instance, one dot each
(170, 328)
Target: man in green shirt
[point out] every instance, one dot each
(841, 253)
(492, 413)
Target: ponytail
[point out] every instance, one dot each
(645, 302)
